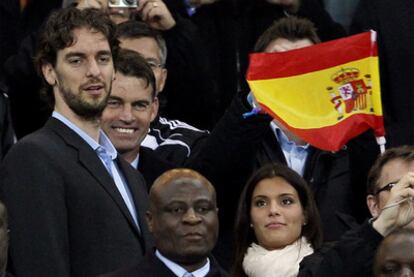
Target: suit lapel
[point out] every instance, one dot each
(91, 162)
(138, 191)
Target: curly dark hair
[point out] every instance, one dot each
(57, 34)
(244, 235)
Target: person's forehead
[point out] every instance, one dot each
(189, 189)
(399, 248)
(394, 170)
(283, 44)
(86, 41)
(130, 88)
(146, 46)
(274, 187)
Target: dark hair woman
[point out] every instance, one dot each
(277, 224)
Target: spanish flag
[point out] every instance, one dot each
(325, 94)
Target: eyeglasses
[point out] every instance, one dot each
(154, 64)
(387, 187)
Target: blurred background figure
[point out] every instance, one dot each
(393, 20)
(230, 28)
(395, 255)
(341, 11)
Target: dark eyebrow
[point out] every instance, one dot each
(104, 52)
(280, 195)
(74, 54)
(142, 101)
(81, 54)
(115, 98)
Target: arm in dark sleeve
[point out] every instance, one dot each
(232, 145)
(33, 192)
(190, 90)
(327, 28)
(353, 254)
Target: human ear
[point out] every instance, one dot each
(49, 74)
(372, 203)
(163, 78)
(155, 106)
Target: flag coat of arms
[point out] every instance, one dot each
(325, 94)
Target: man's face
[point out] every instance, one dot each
(391, 172)
(395, 257)
(128, 114)
(149, 49)
(82, 76)
(184, 220)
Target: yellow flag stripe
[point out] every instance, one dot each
(304, 101)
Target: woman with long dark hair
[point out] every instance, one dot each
(277, 224)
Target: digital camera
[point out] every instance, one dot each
(122, 3)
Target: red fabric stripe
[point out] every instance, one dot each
(314, 58)
(332, 138)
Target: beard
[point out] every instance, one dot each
(85, 107)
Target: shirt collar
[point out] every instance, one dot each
(134, 163)
(103, 139)
(179, 270)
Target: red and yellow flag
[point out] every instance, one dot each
(325, 94)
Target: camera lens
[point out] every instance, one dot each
(129, 2)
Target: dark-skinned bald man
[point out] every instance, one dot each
(183, 220)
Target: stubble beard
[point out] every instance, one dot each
(78, 102)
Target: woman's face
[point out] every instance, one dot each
(276, 213)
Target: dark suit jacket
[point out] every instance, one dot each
(151, 266)
(67, 217)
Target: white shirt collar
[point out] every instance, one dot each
(179, 270)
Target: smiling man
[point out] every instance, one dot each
(132, 105)
(183, 220)
(76, 208)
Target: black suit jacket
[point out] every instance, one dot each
(151, 266)
(67, 217)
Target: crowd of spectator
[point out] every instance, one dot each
(125, 143)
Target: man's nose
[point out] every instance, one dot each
(191, 217)
(93, 68)
(126, 114)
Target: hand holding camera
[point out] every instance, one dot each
(156, 14)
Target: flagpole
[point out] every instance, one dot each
(381, 142)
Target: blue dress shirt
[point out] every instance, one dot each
(295, 155)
